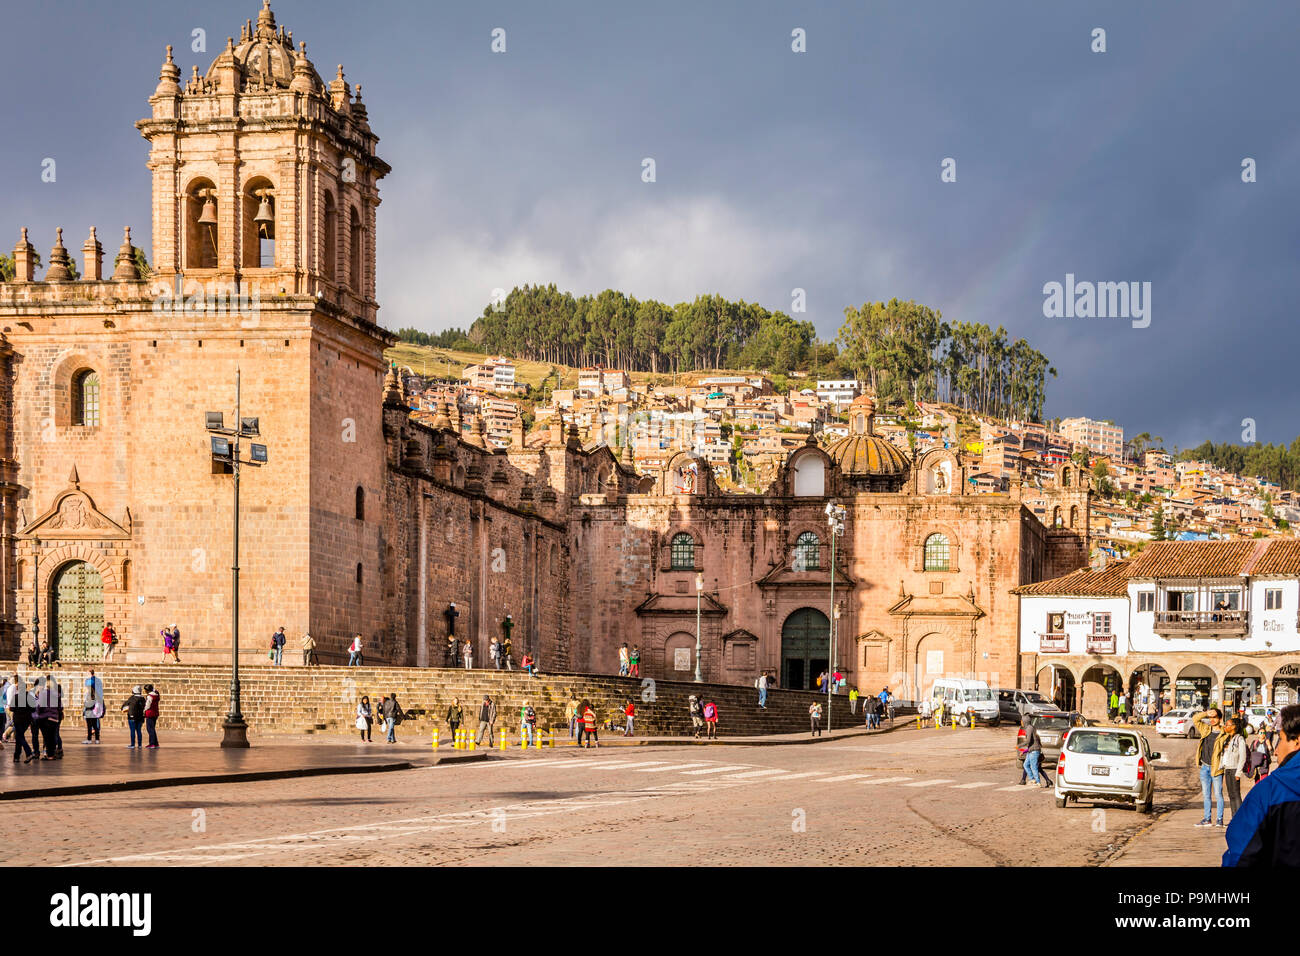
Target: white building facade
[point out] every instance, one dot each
(1205, 621)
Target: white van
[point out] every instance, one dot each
(965, 698)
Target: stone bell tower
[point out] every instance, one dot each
(264, 176)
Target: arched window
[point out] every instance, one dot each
(330, 254)
(85, 398)
(808, 552)
(259, 224)
(361, 503)
(355, 242)
(683, 552)
(201, 225)
(936, 553)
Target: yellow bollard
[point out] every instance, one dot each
(503, 739)
(537, 739)
(435, 738)
(523, 739)
(970, 716)
(953, 725)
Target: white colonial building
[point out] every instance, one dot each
(1205, 620)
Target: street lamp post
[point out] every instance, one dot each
(835, 519)
(225, 452)
(36, 594)
(699, 595)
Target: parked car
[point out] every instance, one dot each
(1176, 723)
(1014, 703)
(966, 698)
(1051, 728)
(1257, 714)
(1102, 764)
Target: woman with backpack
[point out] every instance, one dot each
(152, 699)
(1233, 762)
(365, 719)
(92, 708)
(711, 720)
(1258, 756)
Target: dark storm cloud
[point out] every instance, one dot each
(775, 170)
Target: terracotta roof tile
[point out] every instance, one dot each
(1282, 557)
(1086, 582)
(1193, 559)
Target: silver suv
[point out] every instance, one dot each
(1014, 704)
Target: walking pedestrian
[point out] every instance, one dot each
(589, 725)
(455, 716)
(48, 714)
(308, 650)
(467, 654)
(634, 661)
(355, 656)
(1261, 834)
(1033, 745)
(571, 715)
(109, 638)
(1233, 762)
(391, 711)
(697, 715)
(152, 702)
(278, 641)
(761, 684)
(365, 719)
(1258, 756)
(1208, 724)
(853, 700)
(630, 713)
(711, 720)
(487, 717)
(624, 661)
(815, 718)
(133, 707)
(1112, 711)
(20, 703)
(92, 707)
(1123, 708)
(4, 707)
(166, 633)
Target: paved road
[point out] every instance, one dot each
(916, 797)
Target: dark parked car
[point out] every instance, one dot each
(1013, 703)
(1051, 730)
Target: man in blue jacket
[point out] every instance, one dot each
(1266, 830)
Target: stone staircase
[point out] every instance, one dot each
(296, 699)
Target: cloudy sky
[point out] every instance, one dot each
(775, 170)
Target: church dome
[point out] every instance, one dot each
(264, 55)
(864, 454)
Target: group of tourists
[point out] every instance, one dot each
(1228, 754)
(704, 716)
(629, 662)
(35, 708)
(390, 712)
(1144, 707)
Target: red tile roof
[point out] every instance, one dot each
(1111, 581)
(1193, 559)
(1282, 557)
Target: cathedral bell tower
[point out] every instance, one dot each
(264, 176)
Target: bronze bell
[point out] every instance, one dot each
(208, 215)
(265, 221)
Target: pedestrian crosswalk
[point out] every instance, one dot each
(704, 774)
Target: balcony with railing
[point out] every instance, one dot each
(1202, 623)
(1053, 643)
(1101, 643)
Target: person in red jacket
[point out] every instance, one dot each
(711, 720)
(589, 724)
(630, 713)
(109, 638)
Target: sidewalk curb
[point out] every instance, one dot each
(841, 734)
(154, 783)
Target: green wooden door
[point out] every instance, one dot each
(78, 612)
(805, 648)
